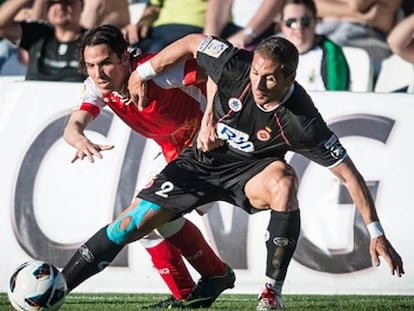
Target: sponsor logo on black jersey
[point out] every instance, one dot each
(235, 104)
(263, 135)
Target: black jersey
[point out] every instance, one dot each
(255, 138)
(251, 132)
(49, 59)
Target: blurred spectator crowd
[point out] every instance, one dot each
(356, 45)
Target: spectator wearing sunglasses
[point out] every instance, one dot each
(322, 63)
(51, 45)
(363, 24)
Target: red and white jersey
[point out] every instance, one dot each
(174, 112)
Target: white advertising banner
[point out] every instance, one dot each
(50, 206)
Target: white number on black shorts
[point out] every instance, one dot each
(165, 188)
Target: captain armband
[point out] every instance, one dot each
(375, 229)
(146, 71)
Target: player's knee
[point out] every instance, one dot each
(125, 228)
(172, 227)
(282, 187)
(152, 239)
(288, 185)
(287, 191)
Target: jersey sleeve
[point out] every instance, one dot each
(307, 131)
(91, 99)
(327, 152)
(221, 60)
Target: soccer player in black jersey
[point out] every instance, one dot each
(258, 114)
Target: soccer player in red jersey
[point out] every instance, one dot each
(171, 119)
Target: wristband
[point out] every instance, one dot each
(375, 229)
(146, 71)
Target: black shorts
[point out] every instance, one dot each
(191, 181)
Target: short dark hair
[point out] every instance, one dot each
(109, 35)
(281, 50)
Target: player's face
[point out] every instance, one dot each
(107, 70)
(269, 84)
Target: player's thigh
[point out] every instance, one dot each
(155, 162)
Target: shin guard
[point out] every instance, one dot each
(283, 232)
(90, 258)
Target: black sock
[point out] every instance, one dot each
(283, 229)
(91, 258)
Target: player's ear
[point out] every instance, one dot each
(125, 57)
(290, 78)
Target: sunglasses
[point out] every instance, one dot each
(305, 21)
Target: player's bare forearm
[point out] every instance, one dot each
(180, 50)
(74, 130)
(357, 188)
(207, 139)
(74, 135)
(379, 245)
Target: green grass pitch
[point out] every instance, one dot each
(134, 302)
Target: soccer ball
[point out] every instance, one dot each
(36, 286)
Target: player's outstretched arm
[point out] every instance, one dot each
(75, 136)
(358, 190)
(180, 50)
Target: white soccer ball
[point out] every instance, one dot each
(36, 286)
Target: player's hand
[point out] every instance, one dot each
(380, 246)
(138, 91)
(87, 149)
(207, 139)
